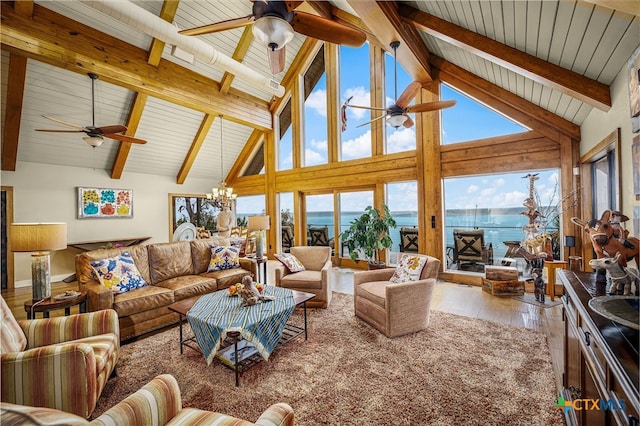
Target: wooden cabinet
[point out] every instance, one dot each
(600, 359)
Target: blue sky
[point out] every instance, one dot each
(467, 120)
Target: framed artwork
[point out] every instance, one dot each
(105, 203)
(196, 209)
(633, 71)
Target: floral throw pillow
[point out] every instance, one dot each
(409, 269)
(224, 258)
(119, 273)
(290, 261)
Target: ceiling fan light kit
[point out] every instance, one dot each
(397, 120)
(273, 32)
(93, 141)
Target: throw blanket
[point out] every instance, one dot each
(216, 314)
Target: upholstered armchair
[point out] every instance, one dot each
(61, 362)
(395, 309)
(316, 277)
(157, 403)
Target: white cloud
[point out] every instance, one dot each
(472, 188)
(312, 157)
(361, 97)
(402, 140)
(317, 101)
(358, 147)
(319, 145)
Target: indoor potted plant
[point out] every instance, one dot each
(368, 234)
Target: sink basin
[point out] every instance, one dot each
(621, 309)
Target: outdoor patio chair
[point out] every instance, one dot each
(287, 238)
(469, 246)
(409, 239)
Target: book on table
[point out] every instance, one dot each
(228, 355)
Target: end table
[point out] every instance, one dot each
(51, 304)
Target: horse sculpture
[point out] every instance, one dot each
(605, 244)
(624, 281)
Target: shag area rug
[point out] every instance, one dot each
(460, 371)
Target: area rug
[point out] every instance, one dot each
(460, 371)
(531, 299)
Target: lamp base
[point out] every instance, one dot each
(40, 275)
(259, 244)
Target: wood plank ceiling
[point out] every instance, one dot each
(559, 56)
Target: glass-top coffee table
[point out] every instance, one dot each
(230, 351)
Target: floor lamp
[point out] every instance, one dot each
(40, 238)
(259, 224)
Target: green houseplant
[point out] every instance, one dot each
(369, 233)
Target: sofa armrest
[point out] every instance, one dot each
(27, 377)
(159, 400)
(14, 414)
(98, 296)
(373, 275)
(49, 331)
(250, 266)
(280, 414)
(280, 272)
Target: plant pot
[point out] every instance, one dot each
(376, 265)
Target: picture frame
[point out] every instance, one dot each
(635, 160)
(633, 71)
(104, 203)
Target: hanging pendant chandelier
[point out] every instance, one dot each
(222, 195)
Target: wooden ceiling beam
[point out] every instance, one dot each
(194, 149)
(565, 81)
(524, 112)
(168, 12)
(62, 42)
(382, 18)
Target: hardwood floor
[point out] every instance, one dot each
(459, 299)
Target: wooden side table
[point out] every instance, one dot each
(32, 307)
(551, 266)
(261, 266)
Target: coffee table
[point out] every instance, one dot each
(290, 332)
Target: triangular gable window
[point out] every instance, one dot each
(471, 120)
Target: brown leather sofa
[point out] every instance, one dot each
(174, 271)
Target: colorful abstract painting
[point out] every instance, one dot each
(104, 203)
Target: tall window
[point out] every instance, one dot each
(402, 199)
(355, 85)
(320, 223)
(286, 220)
(315, 113)
(352, 205)
(285, 146)
(246, 206)
(401, 138)
(603, 173)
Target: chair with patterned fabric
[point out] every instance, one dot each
(61, 362)
(158, 402)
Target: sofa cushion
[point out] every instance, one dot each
(312, 257)
(12, 338)
(201, 252)
(303, 279)
(409, 268)
(84, 270)
(223, 258)
(374, 291)
(169, 260)
(119, 274)
(228, 277)
(189, 286)
(142, 299)
(290, 261)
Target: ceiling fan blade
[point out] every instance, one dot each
(277, 59)
(367, 107)
(408, 122)
(408, 94)
(124, 138)
(325, 29)
(430, 106)
(219, 26)
(64, 122)
(60, 131)
(117, 128)
(375, 119)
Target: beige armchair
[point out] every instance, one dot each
(395, 309)
(316, 278)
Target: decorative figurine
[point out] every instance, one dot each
(624, 281)
(250, 293)
(224, 222)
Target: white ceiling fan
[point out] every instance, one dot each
(397, 114)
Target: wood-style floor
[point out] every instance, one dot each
(459, 299)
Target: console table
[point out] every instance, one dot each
(600, 358)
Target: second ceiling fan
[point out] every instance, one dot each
(274, 25)
(396, 114)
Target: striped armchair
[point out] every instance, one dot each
(155, 404)
(61, 362)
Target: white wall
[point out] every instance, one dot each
(600, 124)
(47, 193)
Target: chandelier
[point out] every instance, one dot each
(222, 195)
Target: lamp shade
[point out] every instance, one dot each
(26, 237)
(272, 31)
(258, 223)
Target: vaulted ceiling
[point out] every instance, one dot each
(559, 56)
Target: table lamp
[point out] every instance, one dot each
(40, 238)
(259, 224)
